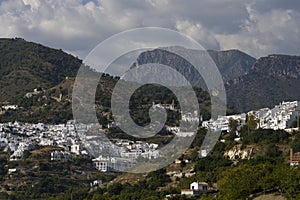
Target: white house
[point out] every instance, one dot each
(59, 155)
(176, 131)
(75, 148)
(12, 170)
(196, 188)
(96, 183)
(106, 164)
(189, 117)
(199, 186)
(10, 107)
(185, 134)
(222, 122)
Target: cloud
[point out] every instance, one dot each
(275, 31)
(199, 33)
(62, 24)
(259, 28)
(263, 6)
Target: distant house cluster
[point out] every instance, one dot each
(133, 150)
(222, 122)
(20, 148)
(18, 137)
(191, 117)
(164, 106)
(123, 154)
(60, 156)
(279, 117)
(178, 132)
(112, 164)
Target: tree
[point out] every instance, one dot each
(114, 189)
(273, 152)
(252, 122)
(26, 154)
(296, 143)
(238, 182)
(157, 179)
(295, 123)
(233, 125)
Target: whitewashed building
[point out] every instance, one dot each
(279, 117)
(107, 164)
(59, 156)
(222, 122)
(196, 188)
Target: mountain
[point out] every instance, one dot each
(40, 80)
(250, 83)
(231, 64)
(26, 65)
(270, 80)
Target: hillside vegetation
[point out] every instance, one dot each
(26, 65)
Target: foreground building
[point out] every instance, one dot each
(198, 188)
(112, 164)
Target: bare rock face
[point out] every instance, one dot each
(232, 63)
(236, 153)
(250, 83)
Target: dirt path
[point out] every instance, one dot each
(270, 197)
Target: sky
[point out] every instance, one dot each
(257, 27)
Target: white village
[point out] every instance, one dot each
(18, 137)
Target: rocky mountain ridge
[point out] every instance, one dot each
(250, 83)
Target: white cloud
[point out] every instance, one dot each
(159, 4)
(199, 33)
(275, 31)
(77, 26)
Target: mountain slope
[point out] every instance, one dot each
(250, 83)
(231, 64)
(272, 79)
(26, 65)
